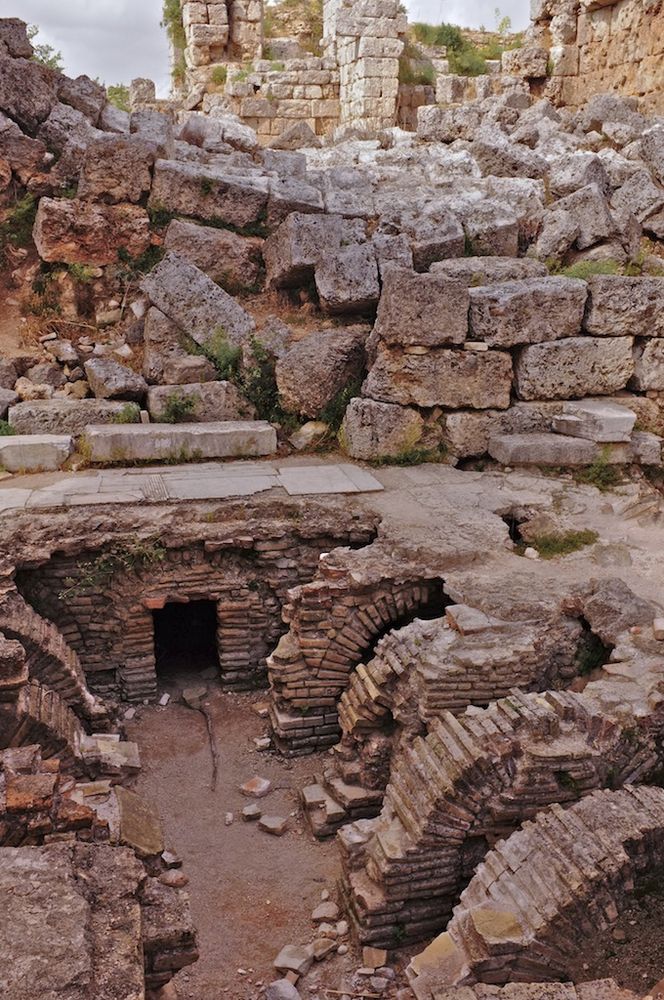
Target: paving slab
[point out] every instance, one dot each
(317, 479)
(216, 489)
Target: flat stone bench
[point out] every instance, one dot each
(34, 452)
(180, 442)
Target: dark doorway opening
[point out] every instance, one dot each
(185, 637)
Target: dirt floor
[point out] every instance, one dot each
(251, 893)
(632, 952)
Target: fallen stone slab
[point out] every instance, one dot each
(575, 367)
(428, 309)
(275, 825)
(34, 452)
(282, 989)
(75, 232)
(139, 823)
(192, 301)
(182, 442)
(542, 449)
(110, 379)
(475, 271)
(295, 958)
(648, 364)
(528, 311)
(313, 370)
(198, 402)
(293, 251)
(232, 261)
(116, 168)
(621, 306)
(441, 377)
(595, 420)
(69, 416)
(207, 193)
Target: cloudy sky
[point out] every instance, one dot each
(117, 40)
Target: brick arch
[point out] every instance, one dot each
(470, 781)
(563, 878)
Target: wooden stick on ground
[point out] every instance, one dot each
(214, 750)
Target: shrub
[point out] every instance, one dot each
(129, 414)
(18, 223)
(81, 273)
(6, 429)
(177, 408)
(219, 75)
(585, 269)
(601, 473)
(333, 413)
(413, 456)
(225, 357)
(45, 54)
(118, 95)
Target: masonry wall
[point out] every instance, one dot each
(597, 47)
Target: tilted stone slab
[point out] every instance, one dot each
(427, 309)
(184, 442)
(474, 271)
(292, 252)
(528, 311)
(595, 420)
(620, 307)
(576, 367)
(542, 449)
(68, 416)
(441, 377)
(207, 193)
(191, 300)
(34, 452)
(648, 364)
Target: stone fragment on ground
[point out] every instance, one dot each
(256, 787)
(295, 958)
(276, 825)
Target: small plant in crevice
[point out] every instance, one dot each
(160, 216)
(6, 429)
(97, 573)
(413, 456)
(177, 408)
(602, 474)
(132, 268)
(562, 543)
(82, 274)
(333, 412)
(129, 414)
(219, 75)
(19, 220)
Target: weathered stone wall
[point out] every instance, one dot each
(597, 46)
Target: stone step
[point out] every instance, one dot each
(34, 452)
(595, 420)
(181, 442)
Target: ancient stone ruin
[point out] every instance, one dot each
(331, 420)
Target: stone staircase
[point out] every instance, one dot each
(561, 878)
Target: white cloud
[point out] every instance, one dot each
(117, 40)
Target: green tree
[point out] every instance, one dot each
(43, 53)
(118, 94)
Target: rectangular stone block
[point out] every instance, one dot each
(542, 449)
(576, 367)
(184, 442)
(207, 193)
(441, 377)
(619, 306)
(34, 452)
(425, 309)
(595, 420)
(528, 311)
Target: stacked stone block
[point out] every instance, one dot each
(363, 36)
(220, 30)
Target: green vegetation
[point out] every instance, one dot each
(309, 11)
(226, 357)
(561, 544)
(585, 269)
(333, 413)
(172, 21)
(83, 274)
(129, 414)
(465, 58)
(6, 429)
(16, 229)
(131, 268)
(277, 67)
(566, 781)
(177, 408)
(45, 54)
(98, 572)
(601, 473)
(118, 95)
(219, 75)
(160, 216)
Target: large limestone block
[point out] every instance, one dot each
(433, 231)
(528, 62)
(181, 442)
(34, 452)
(156, 129)
(491, 228)
(116, 169)
(75, 232)
(315, 369)
(590, 210)
(67, 127)
(648, 365)
(232, 261)
(27, 92)
(84, 94)
(508, 159)
(164, 357)
(572, 171)
(110, 379)
(542, 449)
(14, 39)
(620, 307)
(652, 151)
(191, 300)
(7, 398)
(292, 252)
(24, 155)
(208, 193)
(199, 402)
(427, 309)
(573, 368)
(467, 432)
(639, 195)
(475, 271)
(528, 311)
(441, 377)
(347, 279)
(595, 420)
(67, 416)
(291, 194)
(373, 430)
